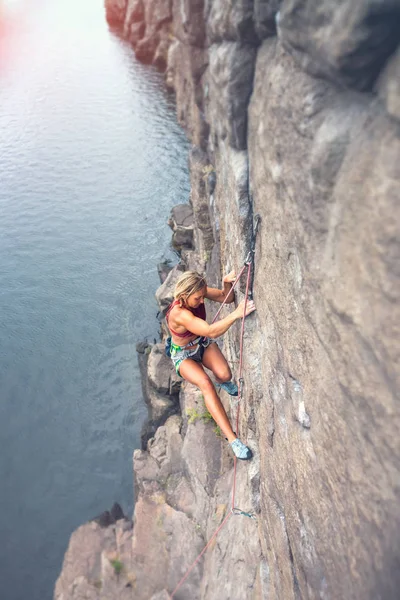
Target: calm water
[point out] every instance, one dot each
(91, 161)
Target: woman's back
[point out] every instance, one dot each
(179, 332)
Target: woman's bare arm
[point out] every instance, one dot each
(200, 327)
(227, 292)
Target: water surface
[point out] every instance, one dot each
(91, 161)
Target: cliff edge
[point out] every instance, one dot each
(293, 109)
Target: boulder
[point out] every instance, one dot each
(163, 268)
(181, 223)
(345, 41)
(160, 389)
(165, 293)
(160, 408)
(182, 239)
(181, 216)
(141, 347)
(160, 371)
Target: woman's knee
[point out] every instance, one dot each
(205, 384)
(223, 373)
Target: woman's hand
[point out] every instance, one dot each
(250, 307)
(230, 278)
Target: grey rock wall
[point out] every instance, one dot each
(231, 21)
(228, 85)
(293, 110)
(327, 251)
(97, 563)
(345, 41)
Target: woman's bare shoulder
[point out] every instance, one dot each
(179, 311)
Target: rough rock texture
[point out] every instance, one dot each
(116, 11)
(185, 71)
(200, 171)
(347, 41)
(325, 354)
(189, 25)
(228, 84)
(389, 86)
(231, 21)
(160, 386)
(163, 269)
(97, 564)
(147, 25)
(302, 128)
(185, 483)
(264, 16)
(181, 223)
(165, 293)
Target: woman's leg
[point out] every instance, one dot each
(214, 360)
(194, 373)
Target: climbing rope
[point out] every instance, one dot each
(249, 293)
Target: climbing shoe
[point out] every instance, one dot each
(240, 450)
(230, 387)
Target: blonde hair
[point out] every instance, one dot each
(187, 284)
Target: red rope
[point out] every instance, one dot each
(201, 554)
(248, 265)
(231, 290)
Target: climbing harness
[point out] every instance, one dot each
(234, 511)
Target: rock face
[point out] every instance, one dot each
(329, 257)
(347, 41)
(293, 115)
(116, 11)
(160, 386)
(97, 563)
(181, 223)
(229, 83)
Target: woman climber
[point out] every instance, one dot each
(192, 347)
